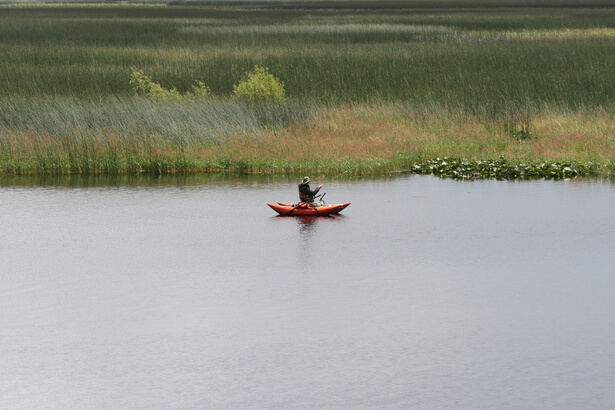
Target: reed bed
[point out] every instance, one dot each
(501, 79)
(137, 135)
(129, 135)
(89, 53)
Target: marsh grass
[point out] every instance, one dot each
(380, 88)
(470, 59)
(139, 135)
(128, 135)
(326, 34)
(395, 137)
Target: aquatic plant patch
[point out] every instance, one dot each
(501, 169)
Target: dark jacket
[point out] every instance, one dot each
(306, 194)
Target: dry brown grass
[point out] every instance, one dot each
(367, 132)
(586, 137)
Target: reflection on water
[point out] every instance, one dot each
(190, 292)
(306, 226)
(310, 230)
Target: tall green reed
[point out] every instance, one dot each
(333, 59)
(126, 135)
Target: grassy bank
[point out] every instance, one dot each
(375, 88)
(138, 135)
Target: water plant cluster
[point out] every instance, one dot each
(501, 169)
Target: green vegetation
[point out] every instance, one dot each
(143, 84)
(260, 86)
(500, 169)
(128, 135)
(389, 85)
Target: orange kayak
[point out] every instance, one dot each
(303, 209)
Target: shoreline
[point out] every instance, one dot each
(448, 167)
(365, 139)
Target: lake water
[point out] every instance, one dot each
(190, 293)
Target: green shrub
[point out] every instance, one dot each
(144, 84)
(200, 89)
(260, 86)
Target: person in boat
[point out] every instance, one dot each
(307, 194)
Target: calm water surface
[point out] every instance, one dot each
(425, 293)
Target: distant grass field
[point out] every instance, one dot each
(508, 71)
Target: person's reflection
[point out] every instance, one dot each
(306, 225)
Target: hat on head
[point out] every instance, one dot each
(306, 180)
